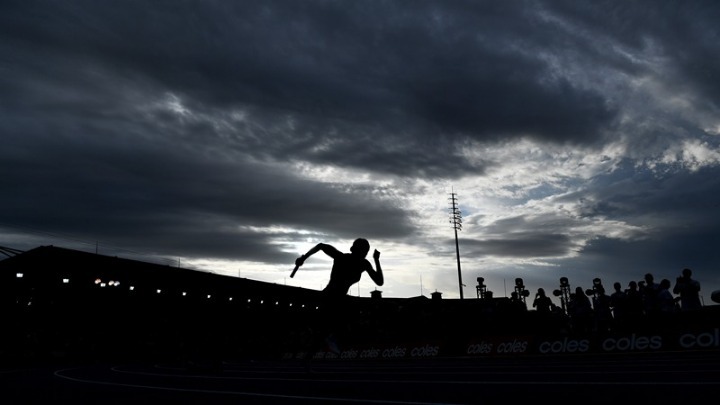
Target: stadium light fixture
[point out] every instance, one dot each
(456, 221)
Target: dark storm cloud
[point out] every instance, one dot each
(682, 33)
(191, 202)
(416, 71)
(519, 245)
(520, 237)
(666, 198)
(662, 220)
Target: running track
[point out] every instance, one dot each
(657, 378)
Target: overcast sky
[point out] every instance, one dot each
(581, 138)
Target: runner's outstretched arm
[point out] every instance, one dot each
(327, 249)
(376, 275)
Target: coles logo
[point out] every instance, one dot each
(565, 346)
(515, 346)
(370, 353)
(632, 343)
(511, 347)
(480, 348)
(425, 351)
(397, 351)
(700, 340)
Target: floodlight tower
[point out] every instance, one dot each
(564, 293)
(456, 221)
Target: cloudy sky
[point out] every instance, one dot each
(581, 138)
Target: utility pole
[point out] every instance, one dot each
(456, 221)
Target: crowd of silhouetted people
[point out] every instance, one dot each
(596, 310)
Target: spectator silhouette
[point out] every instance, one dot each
(619, 306)
(542, 303)
(517, 303)
(649, 291)
(601, 309)
(635, 313)
(580, 312)
(347, 270)
(665, 299)
(689, 291)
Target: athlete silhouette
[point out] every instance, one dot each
(347, 270)
(347, 267)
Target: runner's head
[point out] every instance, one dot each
(360, 247)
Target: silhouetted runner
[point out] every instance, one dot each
(347, 270)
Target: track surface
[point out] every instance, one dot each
(658, 378)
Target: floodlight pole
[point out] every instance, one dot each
(456, 221)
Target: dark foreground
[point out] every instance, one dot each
(653, 378)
